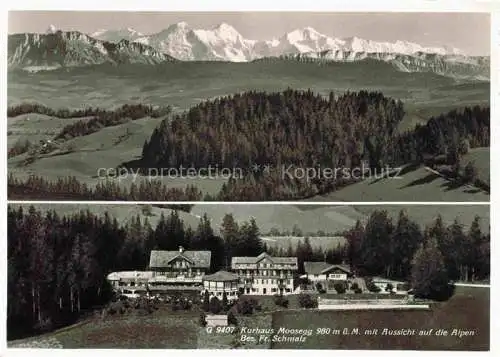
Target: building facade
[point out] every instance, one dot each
(122, 281)
(180, 269)
(325, 274)
(265, 275)
(222, 282)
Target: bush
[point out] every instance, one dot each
(206, 301)
(116, 307)
(225, 302)
(371, 286)
(184, 304)
(215, 305)
(306, 301)
(279, 300)
(244, 307)
(339, 288)
(470, 172)
(147, 210)
(320, 288)
(389, 287)
(202, 320)
(231, 319)
(358, 291)
(403, 287)
(354, 286)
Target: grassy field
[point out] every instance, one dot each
(468, 309)
(284, 242)
(283, 217)
(332, 218)
(88, 157)
(415, 185)
(35, 127)
(481, 159)
(187, 83)
(162, 329)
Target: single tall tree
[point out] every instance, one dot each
(429, 277)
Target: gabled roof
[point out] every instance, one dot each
(316, 268)
(255, 260)
(161, 258)
(221, 276)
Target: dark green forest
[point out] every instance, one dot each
(36, 187)
(57, 265)
(305, 130)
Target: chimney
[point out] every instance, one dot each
(181, 249)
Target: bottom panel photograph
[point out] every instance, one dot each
(222, 276)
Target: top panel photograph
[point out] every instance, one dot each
(248, 106)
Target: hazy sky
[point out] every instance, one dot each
(468, 31)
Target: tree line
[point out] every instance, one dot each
(133, 111)
(407, 252)
(105, 118)
(37, 187)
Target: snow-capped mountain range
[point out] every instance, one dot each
(179, 41)
(225, 43)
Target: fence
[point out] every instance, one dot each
(379, 304)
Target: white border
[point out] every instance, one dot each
(260, 5)
(265, 5)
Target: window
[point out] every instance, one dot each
(288, 290)
(274, 290)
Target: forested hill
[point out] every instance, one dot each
(292, 127)
(305, 129)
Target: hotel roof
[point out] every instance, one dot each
(162, 258)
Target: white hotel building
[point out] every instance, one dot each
(265, 275)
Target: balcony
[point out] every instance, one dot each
(173, 278)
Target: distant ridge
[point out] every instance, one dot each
(58, 49)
